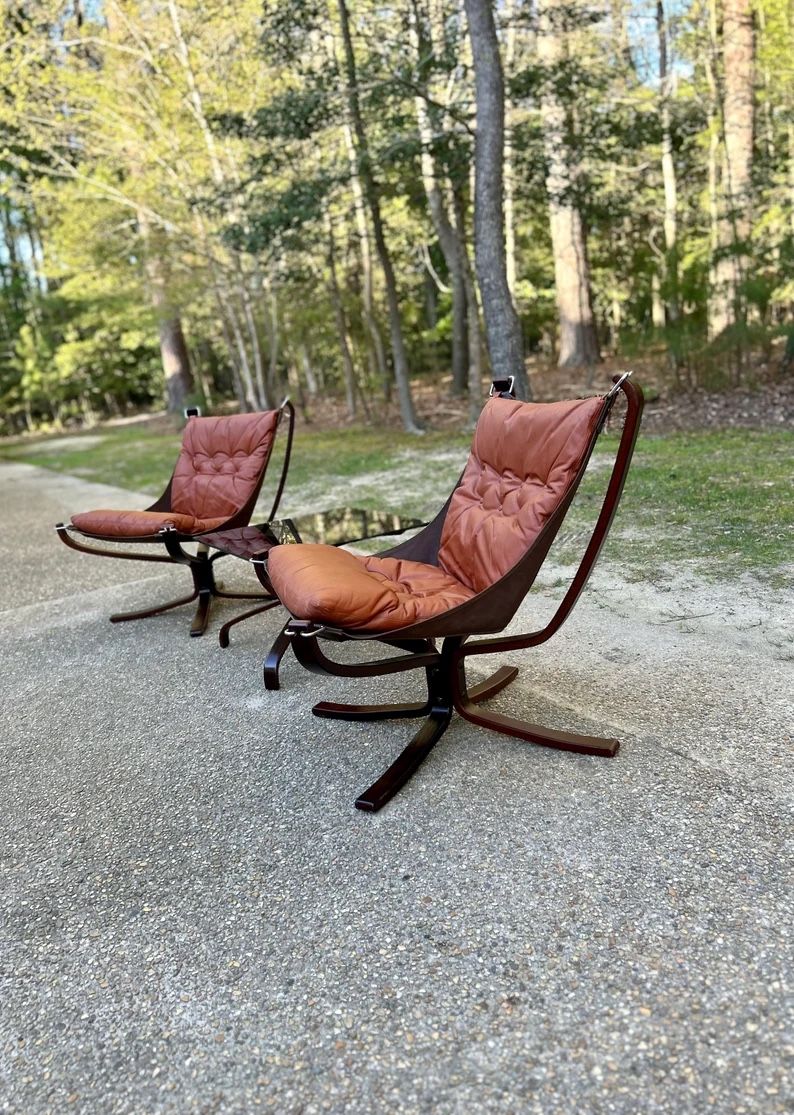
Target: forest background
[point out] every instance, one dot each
(204, 201)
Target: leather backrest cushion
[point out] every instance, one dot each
(220, 463)
(523, 458)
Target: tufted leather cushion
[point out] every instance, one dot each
(220, 463)
(139, 524)
(522, 459)
(332, 586)
(218, 469)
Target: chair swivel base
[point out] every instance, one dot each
(447, 692)
(437, 708)
(205, 589)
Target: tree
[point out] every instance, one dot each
(503, 329)
(727, 304)
(372, 195)
(578, 341)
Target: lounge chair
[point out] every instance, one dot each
(465, 574)
(214, 486)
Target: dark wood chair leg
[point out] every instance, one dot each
(270, 668)
(329, 710)
(201, 618)
(408, 761)
(144, 613)
(223, 634)
(484, 690)
(240, 595)
(536, 733)
(464, 702)
(440, 705)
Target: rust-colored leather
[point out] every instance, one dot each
(522, 458)
(333, 586)
(139, 524)
(220, 463)
(218, 468)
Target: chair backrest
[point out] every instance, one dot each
(222, 463)
(524, 458)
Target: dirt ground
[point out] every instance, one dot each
(767, 404)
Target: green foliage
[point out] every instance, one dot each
(190, 160)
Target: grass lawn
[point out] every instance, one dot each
(718, 501)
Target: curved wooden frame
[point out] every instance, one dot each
(445, 668)
(205, 587)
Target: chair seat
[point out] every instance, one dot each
(334, 587)
(110, 524)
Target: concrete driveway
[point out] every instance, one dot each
(193, 917)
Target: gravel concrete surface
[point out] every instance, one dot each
(193, 917)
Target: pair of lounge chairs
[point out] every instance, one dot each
(465, 574)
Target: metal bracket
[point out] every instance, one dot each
(306, 628)
(618, 384)
(498, 388)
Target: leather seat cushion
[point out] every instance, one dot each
(337, 588)
(221, 462)
(522, 461)
(139, 524)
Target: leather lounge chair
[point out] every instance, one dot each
(214, 486)
(464, 575)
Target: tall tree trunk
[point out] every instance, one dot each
(378, 366)
(348, 369)
(509, 162)
(451, 247)
(578, 339)
(791, 175)
(308, 370)
(273, 337)
(717, 314)
(668, 169)
(173, 348)
(657, 304)
(372, 194)
(262, 393)
(474, 336)
(620, 32)
(17, 285)
(36, 262)
(176, 364)
(503, 329)
(737, 131)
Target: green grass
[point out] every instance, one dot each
(141, 460)
(350, 453)
(719, 502)
(127, 457)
